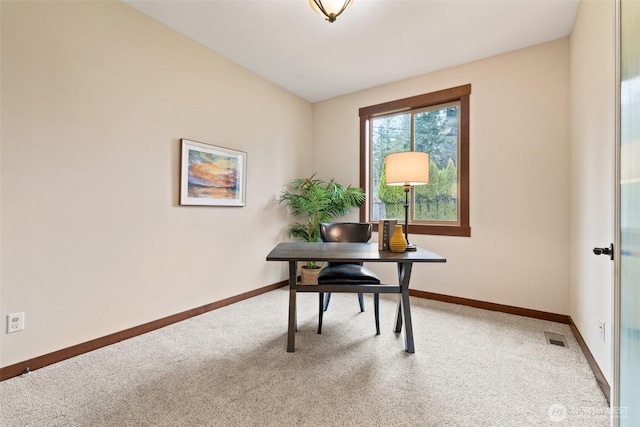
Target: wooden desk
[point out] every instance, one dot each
(293, 252)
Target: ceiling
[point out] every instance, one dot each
(374, 42)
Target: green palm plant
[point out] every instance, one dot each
(316, 201)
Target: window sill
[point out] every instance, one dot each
(436, 230)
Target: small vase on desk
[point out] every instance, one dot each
(398, 243)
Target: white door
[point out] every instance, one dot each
(626, 402)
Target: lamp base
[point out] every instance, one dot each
(411, 248)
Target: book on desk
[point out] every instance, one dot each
(385, 231)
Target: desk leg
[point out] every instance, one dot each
(404, 307)
(398, 327)
(293, 323)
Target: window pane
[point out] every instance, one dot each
(389, 134)
(436, 133)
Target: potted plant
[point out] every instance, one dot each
(315, 201)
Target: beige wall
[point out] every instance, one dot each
(592, 173)
(95, 97)
(518, 253)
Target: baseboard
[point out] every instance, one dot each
(537, 314)
(560, 318)
(600, 378)
(76, 350)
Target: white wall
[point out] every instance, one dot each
(95, 97)
(518, 252)
(592, 174)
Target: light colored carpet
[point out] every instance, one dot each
(230, 367)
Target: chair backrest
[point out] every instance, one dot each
(354, 232)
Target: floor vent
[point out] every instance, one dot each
(555, 339)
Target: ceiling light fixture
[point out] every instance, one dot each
(331, 9)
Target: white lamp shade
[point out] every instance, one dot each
(407, 168)
(332, 7)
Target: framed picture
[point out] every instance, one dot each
(212, 176)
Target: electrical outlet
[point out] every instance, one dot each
(601, 329)
(15, 322)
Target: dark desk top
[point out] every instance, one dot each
(299, 251)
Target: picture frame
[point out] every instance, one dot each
(212, 175)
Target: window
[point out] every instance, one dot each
(436, 123)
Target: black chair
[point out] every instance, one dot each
(342, 273)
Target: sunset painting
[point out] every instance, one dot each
(211, 175)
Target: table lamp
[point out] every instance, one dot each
(408, 169)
